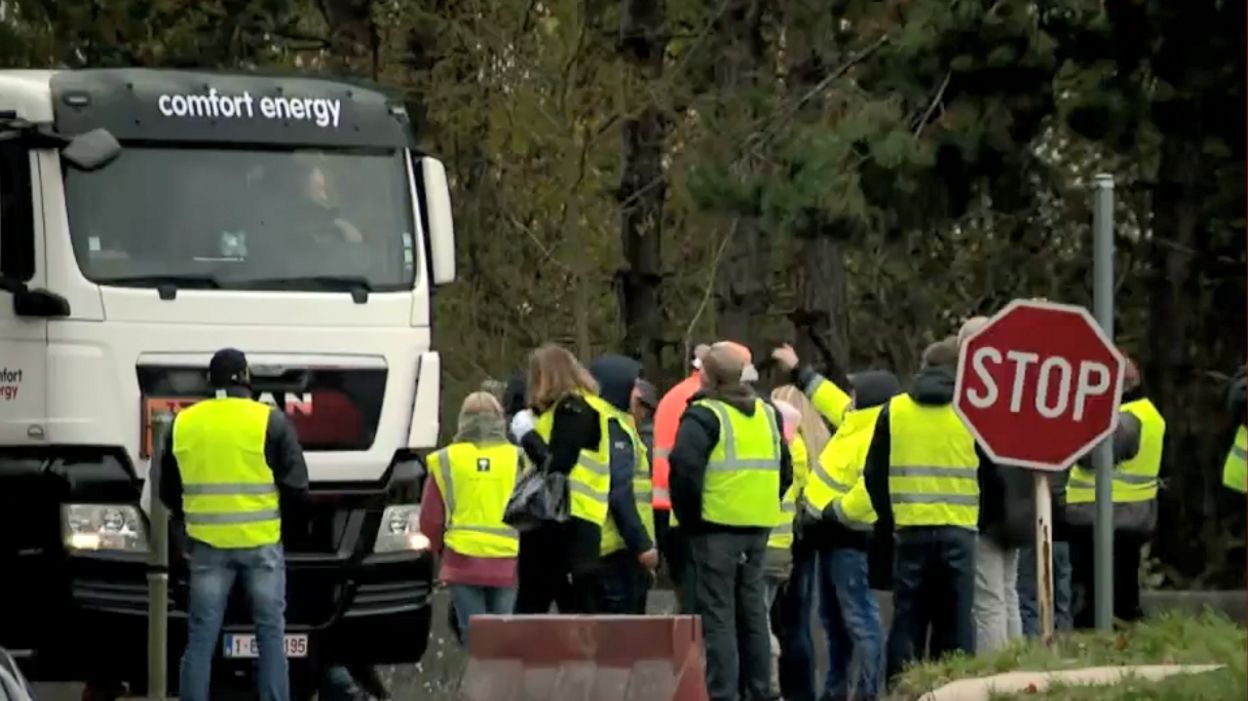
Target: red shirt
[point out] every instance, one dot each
(456, 568)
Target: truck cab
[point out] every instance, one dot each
(147, 219)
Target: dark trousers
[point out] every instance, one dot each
(729, 593)
(678, 562)
(553, 568)
(622, 585)
(1126, 587)
(933, 587)
(797, 646)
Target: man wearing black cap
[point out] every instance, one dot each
(228, 467)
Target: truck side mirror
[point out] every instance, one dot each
(91, 150)
(39, 303)
(438, 214)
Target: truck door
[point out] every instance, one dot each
(23, 340)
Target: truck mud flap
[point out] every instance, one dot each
(584, 658)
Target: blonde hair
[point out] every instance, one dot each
(814, 432)
(481, 419)
(481, 403)
(554, 373)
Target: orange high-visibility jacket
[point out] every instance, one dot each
(666, 421)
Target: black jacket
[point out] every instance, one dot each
(575, 427)
(282, 452)
(933, 387)
(616, 375)
(696, 437)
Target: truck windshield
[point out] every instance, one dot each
(245, 219)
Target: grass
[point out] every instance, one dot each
(1168, 639)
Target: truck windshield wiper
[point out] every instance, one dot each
(166, 285)
(358, 285)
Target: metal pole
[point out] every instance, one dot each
(1044, 555)
(1102, 455)
(157, 588)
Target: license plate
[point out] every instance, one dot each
(244, 645)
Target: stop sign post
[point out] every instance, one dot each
(1039, 385)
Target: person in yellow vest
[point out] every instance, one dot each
(229, 468)
(923, 474)
(778, 562)
(462, 512)
(1235, 467)
(1137, 449)
(629, 556)
(797, 598)
(729, 469)
(564, 430)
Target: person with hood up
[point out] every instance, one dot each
(730, 469)
(1007, 518)
(923, 474)
(838, 520)
(627, 550)
(673, 544)
(1137, 446)
(462, 512)
(563, 429)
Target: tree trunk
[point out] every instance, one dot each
(643, 187)
(821, 319)
(738, 50)
(354, 42)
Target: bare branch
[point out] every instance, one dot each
(940, 94)
(710, 283)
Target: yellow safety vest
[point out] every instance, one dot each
(782, 535)
(839, 470)
(476, 481)
(933, 467)
(643, 490)
(829, 400)
(229, 496)
(589, 482)
(1135, 480)
(1235, 469)
(742, 486)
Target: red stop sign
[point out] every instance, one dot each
(1039, 385)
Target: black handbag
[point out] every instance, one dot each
(539, 497)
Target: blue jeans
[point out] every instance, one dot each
(797, 645)
(472, 601)
(933, 587)
(851, 622)
(263, 574)
(1063, 617)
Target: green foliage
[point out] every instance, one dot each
(1170, 639)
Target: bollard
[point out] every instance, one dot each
(1102, 454)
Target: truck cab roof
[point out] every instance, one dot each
(205, 107)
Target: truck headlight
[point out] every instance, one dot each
(103, 527)
(400, 530)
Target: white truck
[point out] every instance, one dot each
(147, 219)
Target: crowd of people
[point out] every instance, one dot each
(757, 507)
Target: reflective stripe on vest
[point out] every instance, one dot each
(1135, 480)
(933, 467)
(781, 537)
(475, 482)
(1235, 469)
(612, 541)
(229, 497)
(742, 484)
(840, 464)
(589, 482)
